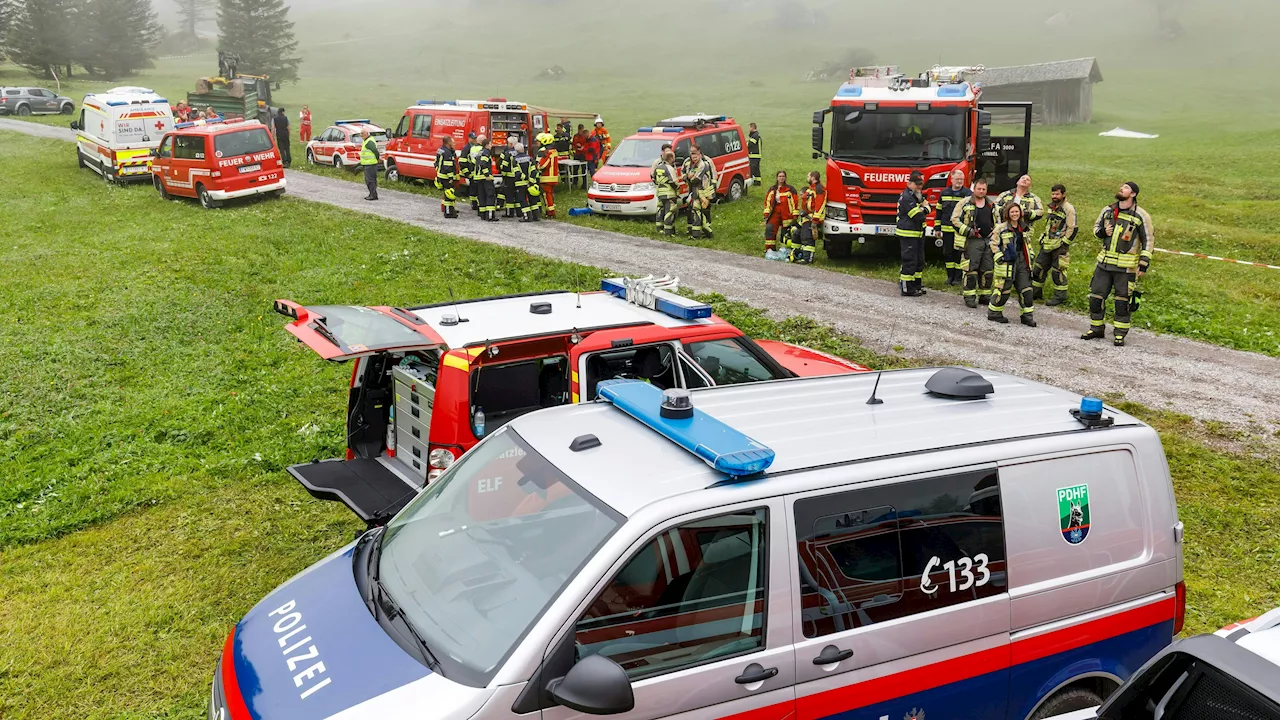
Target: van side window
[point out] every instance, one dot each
(694, 594)
(682, 151)
(166, 147)
(730, 142)
(422, 126)
(403, 128)
(708, 145)
(188, 147)
(877, 554)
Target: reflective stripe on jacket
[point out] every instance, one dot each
(1061, 228)
(913, 211)
(1130, 240)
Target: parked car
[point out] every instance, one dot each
(218, 160)
(23, 101)
(339, 144)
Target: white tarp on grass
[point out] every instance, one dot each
(1122, 133)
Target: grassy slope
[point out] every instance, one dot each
(151, 403)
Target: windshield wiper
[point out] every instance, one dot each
(324, 332)
(380, 599)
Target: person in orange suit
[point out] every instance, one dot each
(549, 167)
(780, 208)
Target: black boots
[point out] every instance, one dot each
(1058, 298)
(971, 301)
(1029, 319)
(1097, 332)
(997, 317)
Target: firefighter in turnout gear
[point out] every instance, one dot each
(549, 170)
(487, 198)
(473, 154)
(606, 140)
(1127, 237)
(700, 177)
(464, 169)
(1055, 245)
(974, 221)
(753, 154)
(952, 245)
(507, 203)
(813, 210)
(668, 191)
(525, 180)
(446, 177)
(1032, 206)
(1009, 247)
(913, 211)
(781, 206)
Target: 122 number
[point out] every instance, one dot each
(966, 567)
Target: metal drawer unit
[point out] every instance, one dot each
(415, 396)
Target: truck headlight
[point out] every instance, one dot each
(595, 186)
(644, 187)
(837, 212)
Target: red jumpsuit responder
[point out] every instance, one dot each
(447, 177)
(304, 124)
(913, 211)
(780, 209)
(1127, 237)
(549, 169)
(606, 142)
(813, 210)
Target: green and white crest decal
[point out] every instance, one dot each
(1073, 513)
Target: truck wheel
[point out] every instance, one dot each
(79, 159)
(67, 108)
(837, 247)
(23, 110)
(106, 176)
(393, 173)
(155, 180)
(737, 189)
(311, 157)
(1067, 700)
(206, 200)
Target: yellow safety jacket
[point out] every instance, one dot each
(369, 151)
(1061, 228)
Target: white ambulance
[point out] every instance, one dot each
(117, 132)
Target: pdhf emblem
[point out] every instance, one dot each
(1073, 512)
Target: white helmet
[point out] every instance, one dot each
(599, 121)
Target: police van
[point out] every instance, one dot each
(118, 131)
(934, 543)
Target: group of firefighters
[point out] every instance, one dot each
(528, 186)
(988, 248)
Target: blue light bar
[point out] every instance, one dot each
(346, 122)
(437, 102)
(114, 103)
(717, 444)
(614, 288)
(849, 91)
(671, 129)
(959, 90)
(664, 302)
(647, 129)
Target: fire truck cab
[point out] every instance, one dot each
(429, 382)
(886, 125)
(411, 150)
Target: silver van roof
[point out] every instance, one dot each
(807, 422)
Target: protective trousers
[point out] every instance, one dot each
(697, 217)
(1052, 265)
(978, 264)
(912, 274)
(549, 199)
(665, 220)
(503, 196)
(1007, 279)
(487, 199)
(371, 180)
(1104, 283)
(951, 255)
(755, 171)
(804, 243)
(449, 201)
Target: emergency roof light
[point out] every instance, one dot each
(849, 91)
(659, 129)
(959, 90)
(437, 102)
(196, 123)
(1090, 414)
(655, 294)
(351, 122)
(717, 444)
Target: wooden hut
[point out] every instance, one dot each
(1061, 92)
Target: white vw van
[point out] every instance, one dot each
(117, 132)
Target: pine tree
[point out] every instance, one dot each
(117, 36)
(190, 13)
(41, 36)
(259, 31)
(6, 17)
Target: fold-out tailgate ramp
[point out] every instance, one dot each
(369, 488)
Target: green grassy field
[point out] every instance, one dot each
(151, 401)
(1205, 180)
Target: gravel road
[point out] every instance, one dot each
(1205, 381)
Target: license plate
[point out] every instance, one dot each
(250, 168)
(885, 229)
(615, 207)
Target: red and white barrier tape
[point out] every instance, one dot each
(1215, 257)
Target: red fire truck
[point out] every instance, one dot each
(886, 125)
(411, 151)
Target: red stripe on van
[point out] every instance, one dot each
(1070, 638)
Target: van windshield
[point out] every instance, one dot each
(242, 142)
(478, 556)
(636, 153)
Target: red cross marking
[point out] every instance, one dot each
(159, 125)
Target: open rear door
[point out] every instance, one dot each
(369, 482)
(1008, 155)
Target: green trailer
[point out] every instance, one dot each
(230, 99)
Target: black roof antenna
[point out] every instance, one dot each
(873, 400)
(457, 314)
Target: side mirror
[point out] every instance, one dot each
(817, 141)
(983, 143)
(984, 118)
(75, 124)
(596, 685)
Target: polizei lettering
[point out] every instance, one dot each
(300, 655)
(887, 177)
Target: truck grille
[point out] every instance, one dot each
(886, 198)
(880, 218)
(615, 188)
